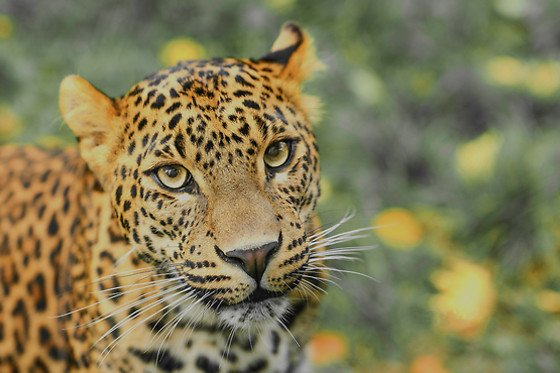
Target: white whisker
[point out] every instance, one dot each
(122, 258)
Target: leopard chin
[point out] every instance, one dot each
(258, 314)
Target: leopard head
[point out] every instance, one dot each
(213, 174)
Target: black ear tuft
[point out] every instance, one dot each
(282, 56)
(289, 40)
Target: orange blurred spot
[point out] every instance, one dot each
(466, 298)
(327, 348)
(548, 301)
(180, 49)
(398, 228)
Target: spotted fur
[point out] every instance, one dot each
(103, 268)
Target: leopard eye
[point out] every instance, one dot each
(277, 154)
(173, 177)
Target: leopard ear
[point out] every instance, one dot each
(294, 52)
(91, 115)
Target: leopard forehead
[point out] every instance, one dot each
(213, 105)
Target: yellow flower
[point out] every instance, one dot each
(548, 301)
(180, 49)
(475, 160)
(544, 79)
(427, 364)
(398, 228)
(6, 26)
(9, 122)
(466, 298)
(505, 71)
(327, 347)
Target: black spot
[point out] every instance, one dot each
(115, 331)
(173, 107)
(118, 194)
(39, 366)
(257, 366)
(53, 226)
(159, 102)
(251, 104)
(58, 353)
(45, 176)
(280, 115)
(242, 93)
(20, 311)
(245, 129)
(133, 191)
(275, 342)
(173, 122)
(162, 358)
(37, 289)
(44, 334)
(41, 211)
(136, 91)
(204, 364)
(166, 138)
(142, 123)
(126, 206)
(55, 187)
(239, 79)
(131, 147)
(149, 96)
(145, 140)
(236, 138)
(180, 145)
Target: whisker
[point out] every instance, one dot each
(109, 348)
(142, 285)
(140, 311)
(172, 324)
(122, 258)
(279, 320)
(351, 272)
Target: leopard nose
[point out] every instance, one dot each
(253, 261)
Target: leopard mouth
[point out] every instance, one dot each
(260, 294)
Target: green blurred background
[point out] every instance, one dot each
(439, 124)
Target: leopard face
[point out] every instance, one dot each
(212, 171)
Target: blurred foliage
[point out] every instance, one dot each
(440, 119)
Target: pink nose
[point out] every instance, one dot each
(253, 261)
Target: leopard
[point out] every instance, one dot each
(180, 234)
